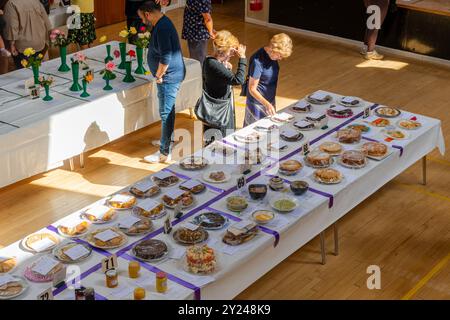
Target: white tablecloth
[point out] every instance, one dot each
(51, 132)
(239, 267)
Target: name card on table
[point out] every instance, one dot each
(128, 221)
(106, 235)
(305, 148)
(161, 175)
(241, 182)
(76, 252)
(148, 205)
(109, 263)
(144, 186)
(44, 265)
(367, 112)
(46, 295)
(190, 184)
(98, 211)
(319, 95)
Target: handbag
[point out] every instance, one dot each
(214, 112)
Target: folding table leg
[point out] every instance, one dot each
(72, 166)
(82, 160)
(336, 239)
(322, 247)
(424, 170)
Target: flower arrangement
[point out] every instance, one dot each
(78, 57)
(143, 40)
(87, 78)
(126, 34)
(46, 83)
(58, 38)
(34, 61)
(128, 77)
(108, 74)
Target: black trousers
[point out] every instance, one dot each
(370, 38)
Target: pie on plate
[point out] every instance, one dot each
(353, 159)
(193, 163)
(318, 159)
(328, 176)
(200, 259)
(98, 215)
(122, 201)
(290, 167)
(141, 227)
(7, 264)
(374, 149)
(409, 124)
(387, 112)
(74, 231)
(60, 252)
(12, 289)
(210, 220)
(237, 203)
(37, 237)
(117, 238)
(186, 200)
(332, 148)
(150, 250)
(187, 236)
(349, 135)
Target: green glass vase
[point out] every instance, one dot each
(35, 69)
(107, 87)
(128, 77)
(123, 55)
(47, 94)
(140, 59)
(63, 54)
(108, 54)
(75, 75)
(85, 94)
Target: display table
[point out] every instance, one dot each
(240, 266)
(43, 134)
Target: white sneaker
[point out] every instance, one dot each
(156, 143)
(157, 157)
(373, 55)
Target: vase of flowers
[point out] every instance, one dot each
(125, 34)
(59, 39)
(108, 75)
(33, 60)
(87, 78)
(77, 59)
(143, 39)
(128, 76)
(46, 83)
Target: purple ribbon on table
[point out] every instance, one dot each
(197, 293)
(393, 146)
(321, 193)
(182, 176)
(274, 233)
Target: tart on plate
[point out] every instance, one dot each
(149, 209)
(374, 149)
(318, 159)
(332, 148)
(122, 201)
(349, 136)
(396, 134)
(200, 259)
(210, 220)
(186, 236)
(361, 127)
(409, 124)
(106, 238)
(141, 227)
(380, 122)
(33, 242)
(150, 250)
(75, 231)
(7, 264)
(290, 167)
(328, 176)
(193, 163)
(216, 176)
(186, 199)
(145, 189)
(99, 214)
(237, 203)
(239, 235)
(72, 252)
(14, 287)
(387, 112)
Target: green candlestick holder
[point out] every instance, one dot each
(63, 54)
(108, 54)
(128, 77)
(140, 59)
(35, 69)
(47, 94)
(85, 94)
(75, 75)
(123, 55)
(107, 87)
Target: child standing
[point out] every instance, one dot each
(83, 34)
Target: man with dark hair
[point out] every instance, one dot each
(166, 63)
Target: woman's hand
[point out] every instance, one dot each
(270, 109)
(241, 51)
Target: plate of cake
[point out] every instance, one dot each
(318, 159)
(330, 147)
(7, 264)
(43, 269)
(210, 220)
(387, 112)
(73, 230)
(200, 260)
(375, 150)
(353, 159)
(12, 286)
(190, 234)
(290, 167)
(240, 233)
(121, 201)
(151, 250)
(216, 176)
(107, 238)
(351, 102)
(72, 252)
(304, 125)
(99, 214)
(349, 136)
(328, 176)
(193, 163)
(302, 107)
(165, 179)
(40, 242)
(149, 209)
(134, 226)
(144, 189)
(409, 124)
(174, 197)
(319, 97)
(340, 112)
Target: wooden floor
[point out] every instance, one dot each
(404, 228)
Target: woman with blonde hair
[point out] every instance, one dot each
(216, 106)
(263, 78)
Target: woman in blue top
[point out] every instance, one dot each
(263, 78)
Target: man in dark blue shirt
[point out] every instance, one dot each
(166, 63)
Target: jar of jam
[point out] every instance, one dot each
(89, 294)
(112, 278)
(80, 293)
(161, 282)
(133, 269)
(139, 294)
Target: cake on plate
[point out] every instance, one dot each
(353, 158)
(349, 135)
(200, 259)
(317, 158)
(374, 149)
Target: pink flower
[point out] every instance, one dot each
(110, 66)
(116, 53)
(53, 36)
(80, 57)
(142, 29)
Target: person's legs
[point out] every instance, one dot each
(198, 50)
(167, 95)
(371, 35)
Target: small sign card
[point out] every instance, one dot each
(42, 245)
(191, 183)
(241, 182)
(284, 116)
(144, 185)
(167, 225)
(44, 265)
(148, 205)
(106, 235)
(305, 148)
(109, 263)
(121, 198)
(302, 104)
(46, 295)
(76, 252)
(60, 277)
(367, 112)
(289, 133)
(161, 175)
(350, 100)
(98, 211)
(175, 193)
(319, 95)
(190, 226)
(128, 221)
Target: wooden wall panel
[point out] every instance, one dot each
(109, 12)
